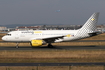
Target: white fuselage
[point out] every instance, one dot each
(27, 36)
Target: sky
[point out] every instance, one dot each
(67, 12)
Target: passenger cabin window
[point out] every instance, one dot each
(8, 34)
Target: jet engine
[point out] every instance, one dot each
(37, 43)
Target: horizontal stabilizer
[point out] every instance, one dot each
(94, 33)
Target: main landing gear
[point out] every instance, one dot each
(50, 46)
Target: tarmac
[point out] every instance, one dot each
(91, 47)
(53, 64)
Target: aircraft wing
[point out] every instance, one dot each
(51, 39)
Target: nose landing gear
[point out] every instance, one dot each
(17, 45)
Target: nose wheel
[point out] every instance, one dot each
(17, 45)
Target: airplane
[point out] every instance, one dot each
(57, 11)
(40, 37)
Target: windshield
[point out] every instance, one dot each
(8, 34)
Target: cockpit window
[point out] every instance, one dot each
(8, 34)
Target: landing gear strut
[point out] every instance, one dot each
(49, 45)
(17, 45)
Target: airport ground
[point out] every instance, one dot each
(54, 68)
(55, 55)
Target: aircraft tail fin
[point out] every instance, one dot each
(91, 23)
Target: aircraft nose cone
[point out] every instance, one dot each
(3, 38)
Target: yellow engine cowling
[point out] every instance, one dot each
(37, 43)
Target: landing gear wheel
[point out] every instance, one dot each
(50, 46)
(17, 46)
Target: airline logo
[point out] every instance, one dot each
(27, 32)
(92, 19)
(70, 35)
(37, 31)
